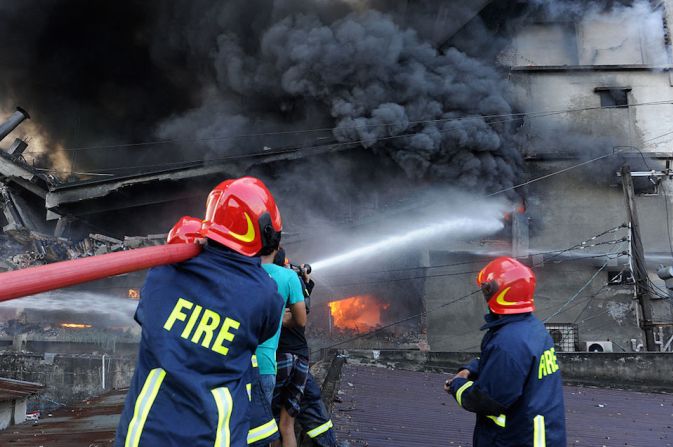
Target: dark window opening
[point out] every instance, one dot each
(564, 335)
(613, 97)
(622, 277)
(646, 186)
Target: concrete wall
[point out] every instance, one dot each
(543, 90)
(12, 412)
(68, 378)
(552, 71)
(6, 412)
(645, 371)
(20, 407)
(622, 37)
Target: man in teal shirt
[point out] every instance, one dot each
(290, 289)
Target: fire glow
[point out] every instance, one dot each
(75, 325)
(359, 313)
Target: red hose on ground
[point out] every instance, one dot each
(31, 281)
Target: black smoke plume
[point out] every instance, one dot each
(202, 74)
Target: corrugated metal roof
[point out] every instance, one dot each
(383, 407)
(11, 389)
(89, 424)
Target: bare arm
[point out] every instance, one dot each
(296, 316)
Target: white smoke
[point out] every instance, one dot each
(78, 304)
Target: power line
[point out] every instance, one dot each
(570, 300)
(550, 175)
(663, 190)
(370, 333)
(448, 274)
(581, 245)
(387, 280)
(591, 297)
(360, 126)
(199, 162)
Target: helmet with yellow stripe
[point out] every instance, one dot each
(242, 215)
(508, 286)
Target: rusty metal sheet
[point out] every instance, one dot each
(382, 407)
(89, 424)
(11, 389)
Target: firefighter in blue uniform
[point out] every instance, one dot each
(515, 386)
(201, 322)
(314, 418)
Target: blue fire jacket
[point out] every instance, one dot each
(201, 323)
(515, 386)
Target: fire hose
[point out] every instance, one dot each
(30, 281)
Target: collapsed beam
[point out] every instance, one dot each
(13, 121)
(30, 281)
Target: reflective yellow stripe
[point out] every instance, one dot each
(459, 393)
(248, 387)
(262, 432)
(539, 438)
(254, 361)
(144, 402)
(320, 429)
(224, 407)
(500, 420)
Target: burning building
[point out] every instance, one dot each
(359, 109)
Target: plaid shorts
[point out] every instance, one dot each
(290, 383)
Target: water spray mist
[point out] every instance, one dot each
(457, 228)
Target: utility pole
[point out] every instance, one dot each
(638, 266)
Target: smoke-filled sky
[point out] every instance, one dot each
(98, 74)
(416, 100)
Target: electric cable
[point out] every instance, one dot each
(439, 307)
(576, 294)
(563, 250)
(663, 189)
(199, 162)
(361, 126)
(449, 274)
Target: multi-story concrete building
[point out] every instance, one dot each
(596, 89)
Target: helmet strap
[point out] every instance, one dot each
(270, 237)
(488, 289)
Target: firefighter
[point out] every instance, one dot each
(313, 416)
(201, 322)
(515, 386)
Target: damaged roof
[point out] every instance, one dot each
(89, 424)
(383, 407)
(11, 389)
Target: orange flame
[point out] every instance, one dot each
(360, 313)
(75, 325)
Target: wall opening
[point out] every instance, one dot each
(613, 97)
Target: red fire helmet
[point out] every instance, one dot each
(188, 230)
(508, 286)
(241, 214)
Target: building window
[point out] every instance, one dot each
(613, 97)
(564, 336)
